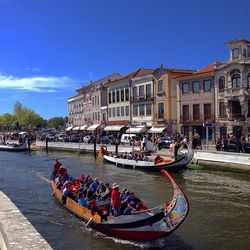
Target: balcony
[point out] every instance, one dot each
(144, 98)
(161, 93)
(237, 117)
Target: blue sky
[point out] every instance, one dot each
(49, 48)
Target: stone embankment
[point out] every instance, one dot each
(236, 162)
(16, 232)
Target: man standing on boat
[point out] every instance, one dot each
(116, 200)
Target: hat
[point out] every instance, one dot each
(115, 185)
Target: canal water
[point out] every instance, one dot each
(219, 217)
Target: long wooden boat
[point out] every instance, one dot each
(14, 147)
(169, 165)
(147, 225)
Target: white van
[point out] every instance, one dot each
(127, 138)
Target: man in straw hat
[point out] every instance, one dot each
(115, 199)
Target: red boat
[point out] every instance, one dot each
(146, 225)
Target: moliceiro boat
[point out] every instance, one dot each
(145, 225)
(173, 164)
(14, 147)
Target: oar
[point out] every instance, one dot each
(89, 222)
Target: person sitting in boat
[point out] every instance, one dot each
(82, 199)
(56, 166)
(63, 172)
(92, 188)
(100, 189)
(107, 194)
(158, 159)
(132, 204)
(115, 200)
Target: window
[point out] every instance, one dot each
(113, 112)
(160, 110)
(195, 87)
(135, 92)
(110, 113)
(127, 94)
(135, 110)
(196, 112)
(185, 112)
(221, 83)
(160, 87)
(236, 81)
(141, 110)
(148, 90)
(127, 110)
(117, 111)
(248, 81)
(118, 95)
(185, 88)
(113, 96)
(122, 110)
(207, 85)
(222, 109)
(148, 109)
(207, 111)
(235, 53)
(141, 90)
(109, 97)
(122, 95)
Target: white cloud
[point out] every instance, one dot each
(37, 83)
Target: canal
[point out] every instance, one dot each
(220, 202)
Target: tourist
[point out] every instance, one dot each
(115, 200)
(56, 166)
(218, 144)
(62, 171)
(132, 204)
(82, 200)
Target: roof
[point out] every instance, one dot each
(208, 69)
(237, 41)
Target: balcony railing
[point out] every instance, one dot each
(238, 117)
(160, 116)
(142, 98)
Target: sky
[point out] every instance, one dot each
(50, 48)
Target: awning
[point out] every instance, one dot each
(68, 128)
(93, 127)
(76, 128)
(114, 127)
(157, 130)
(136, 130)
(83, 127)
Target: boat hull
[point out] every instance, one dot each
(176, 165)
(143, 226)
(10, 148)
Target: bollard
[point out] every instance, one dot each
(116, 148)
(95, 148)
(29, 144)
(47, 149)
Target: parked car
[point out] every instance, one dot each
(127, 138)
(244, 148)
(164, 142)
(88, 138)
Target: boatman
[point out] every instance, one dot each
(116, 200)
(56, 166)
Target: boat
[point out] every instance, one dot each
(14, 147)
(141, 226)
(171, 165)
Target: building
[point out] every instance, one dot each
(196, 103)
(232, 90)
(89, 107)
(165, 106)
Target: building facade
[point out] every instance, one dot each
(196, 103)
(232, 91)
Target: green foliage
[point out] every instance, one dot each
(55, 122)
(22, 116)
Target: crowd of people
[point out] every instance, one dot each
(94, 194)
(131, 156)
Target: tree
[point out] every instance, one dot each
(56, 122)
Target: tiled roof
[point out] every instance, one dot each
(208, 69)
